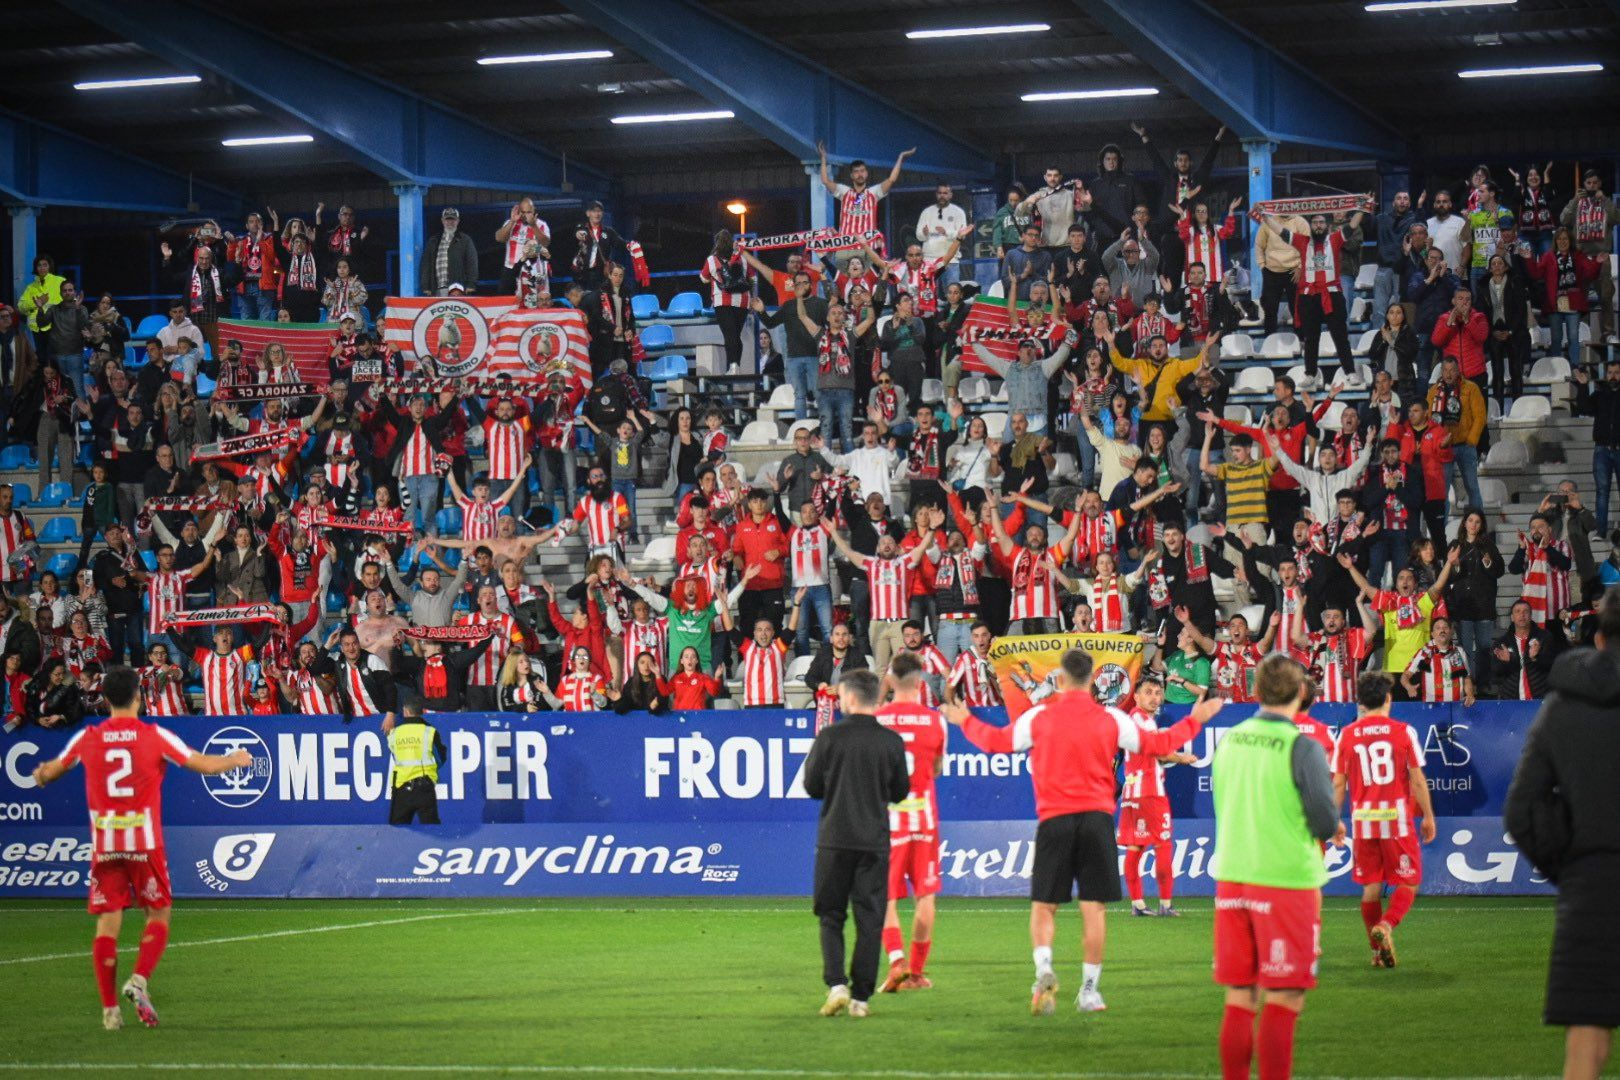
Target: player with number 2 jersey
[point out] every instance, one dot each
(124, 759)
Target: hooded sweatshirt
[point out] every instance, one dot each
(1113, 195)
(1574, 745)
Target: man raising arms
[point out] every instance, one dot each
(1380, 761)
(1072, 741)
(913, 825)
(124, 759)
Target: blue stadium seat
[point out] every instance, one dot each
(205, 386)
(150, 559)
(449, 521)
(665, 368)
(585, 440)
(686, 305)
(644, 306)
(61, 564)
(21, 494)
(149, 327)
(134, 357)
(56, 494)
(17, 457)
(657, 336)
(59, 530)
(335, 601)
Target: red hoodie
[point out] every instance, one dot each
(593, 639)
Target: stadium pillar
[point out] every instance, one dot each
(820, 201)
(410, 236)
(24, 245)
(1259, 151)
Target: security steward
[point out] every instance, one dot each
(416, 751)
(856, 768)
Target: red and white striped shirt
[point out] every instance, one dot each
(224, 680)
(1546, 588)
(578, 693)
(1444, 672)
(889, 590)
(1290, 617)
(1376, 754)
(417, 457)
(15, 531)
(1100, 533)
(807, 548)
(314, 699)
(506, 444)
(975, 682)
(1319, 262)
(715, 443)
(714, 272)
(78, 652)
(933, 663)
(162, 699)
(649, 637)
(1144, 776)
(764, 673)
(487, 668)
(165, 596)
(926, 735)
(603, 520)
(1207, 246)
(1234, 670)
(1335, 662)
(1034, 590)
(478, 518)
(857, 210)
(353, 679)
(518, 239)
(921, 283)
(124, 760)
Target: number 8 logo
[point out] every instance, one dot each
(240, 855)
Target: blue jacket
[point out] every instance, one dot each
(1391, 231)
(1432, 299)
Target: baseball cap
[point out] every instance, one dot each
(449, 212)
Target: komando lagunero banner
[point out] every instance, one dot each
(697, 804)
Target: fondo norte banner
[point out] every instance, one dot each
(695, 804)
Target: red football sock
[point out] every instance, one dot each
(1133, 873)
(1164, 869)
(1237, 1042)
(104, 951)
(153, 942)
(919, 955)
(1399, 905)
(894, 946)
(1277, 1042)
(1372, 913)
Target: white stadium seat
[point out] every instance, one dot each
(933, 391)
(1507, 454)
(1237, 347)
(973, 389)
(1280, 346)
(995, 424)
(1367, 276)
(782, 398)
(660, 549)
(1254, 380)
(1238, 414)
(799, 668)
(1549, 369)
(1532, 409)
(760, 433)
(1330, 419)
(1359, 308)
(1364, 345)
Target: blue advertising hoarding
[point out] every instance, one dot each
(698, 804)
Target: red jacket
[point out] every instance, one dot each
(1431, 444)
(1545, 271)
(1466, 344)
(719, 540)
(752, 540)
(1072, 742)
(593, 639)
(269, 261)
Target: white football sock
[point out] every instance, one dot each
(1043, 959)
(1093, 975)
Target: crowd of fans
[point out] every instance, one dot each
(1117, 498)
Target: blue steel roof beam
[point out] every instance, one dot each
(1243, 82)
(386, 129)
(46, 166)
(783, 96)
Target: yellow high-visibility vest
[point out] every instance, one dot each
(410, 746)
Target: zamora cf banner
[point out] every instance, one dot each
(696, 804)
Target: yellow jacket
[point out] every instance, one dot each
(1469, 426)
(1168, 374)
(40, 294)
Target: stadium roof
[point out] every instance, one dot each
(1398, 70)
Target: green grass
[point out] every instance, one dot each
(638, 988)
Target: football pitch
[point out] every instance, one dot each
(633, 988)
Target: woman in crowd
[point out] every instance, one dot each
(522, 685)
(1397, 341)
(344, 295)
(1471, 593)
(645, 690)
(1565, 273)
(730, 289)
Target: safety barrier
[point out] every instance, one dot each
(694, 804)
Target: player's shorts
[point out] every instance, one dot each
(133, 880)
(1075, 849)
(1397, 860)
(1144, 822)
(913, 859)
(1267, 937)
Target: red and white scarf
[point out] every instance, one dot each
(301, 272)
(835, 354)
(197, 298)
